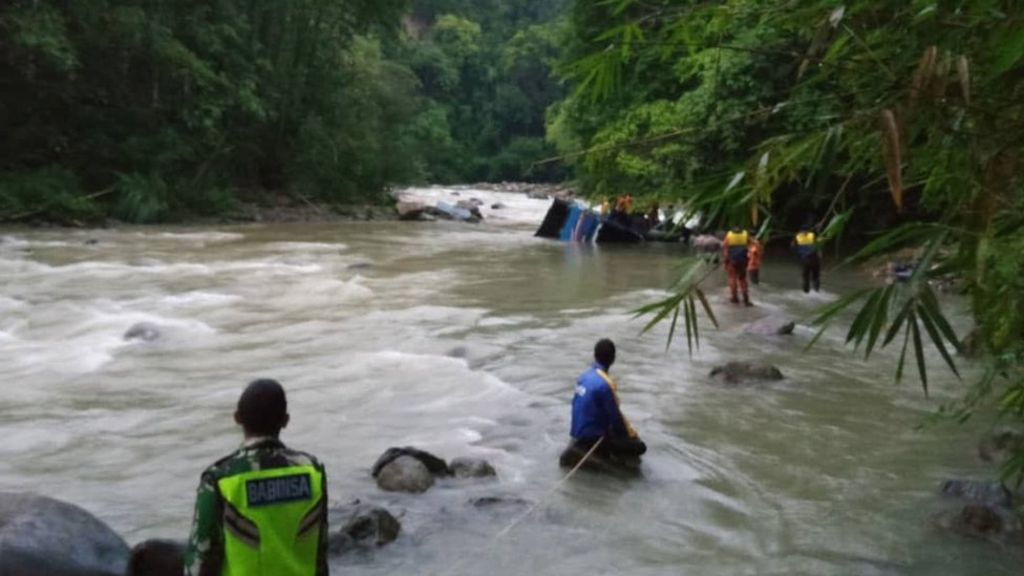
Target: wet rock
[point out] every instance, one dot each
(707, 244)
(362, 525)
(472, 468)
(498, 502)
(770, 326)
(973, 344)
(978, 520)
(458, 352)
(411, 210)
(990, 494)
(471, 207)
(999, 446)
(435, 465)
(497, 206)
(405, 474)
(143, 331)
(743, 372)
(360, 266)
(157, 558)
(41, 536)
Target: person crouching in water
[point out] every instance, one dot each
(806, 244)
(597, 417)
(261, 511)
(735, 255)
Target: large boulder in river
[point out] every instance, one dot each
(41, 536)
(157, 558)
(143, 331)
(770, 326)
(745, 372)
(435, 465)
(472, 468)
(405, 474)
(361, 525)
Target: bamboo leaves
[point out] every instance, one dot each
(687, 294)
(893, 157)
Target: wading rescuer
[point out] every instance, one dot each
(262, 511)
(735, 255)
(806, 244)
(596, 416)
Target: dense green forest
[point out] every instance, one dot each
(151, 110)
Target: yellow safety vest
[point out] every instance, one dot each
(736, 239)
(615, 392)
(806, 239)
(272, 521)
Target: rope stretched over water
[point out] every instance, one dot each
(504, 532)
(553, 489)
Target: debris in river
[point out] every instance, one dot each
(743, 372)
(144, 331)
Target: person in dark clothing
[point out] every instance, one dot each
(596, 416)
(806, 244)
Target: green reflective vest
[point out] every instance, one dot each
(272, 521)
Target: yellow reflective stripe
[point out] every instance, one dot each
(615, 393)
(736, 238)
(805, 238)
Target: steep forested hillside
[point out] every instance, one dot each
(150, 110)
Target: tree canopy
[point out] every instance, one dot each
(899, 119)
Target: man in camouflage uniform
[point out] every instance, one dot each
(262, 509)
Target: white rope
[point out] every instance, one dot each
(553, 489)
(536, 504)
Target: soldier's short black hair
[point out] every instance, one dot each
(263, 408)
(604, 352)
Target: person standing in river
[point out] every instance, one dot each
(806, 244)
(735, 255)
(261, 511)
(597, 416)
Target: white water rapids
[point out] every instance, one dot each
(466, 340)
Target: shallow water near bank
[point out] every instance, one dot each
(466, 340)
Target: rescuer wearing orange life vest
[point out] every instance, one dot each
(735, 256)
(754, 256)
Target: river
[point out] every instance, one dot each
(466, 340)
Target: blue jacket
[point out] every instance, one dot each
(595, 411)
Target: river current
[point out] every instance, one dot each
(466, 340)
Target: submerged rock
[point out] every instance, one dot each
(472, 468)
(497, 206)
(707, 244)
(743, 372)
(499, 502)
(362, 525)
(770, 326)
(616, 464)
(405, 474)
(41, 536)
(143, 331)
(157, 558)
(999, 446)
